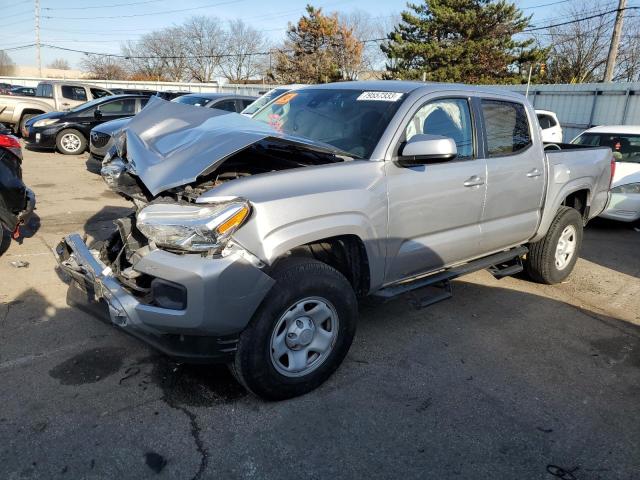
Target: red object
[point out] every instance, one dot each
(16, 233)
(12, 144)
(9, 141)
(613, 171)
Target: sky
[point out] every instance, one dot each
(102, 25)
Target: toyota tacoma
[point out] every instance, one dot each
(251, 240)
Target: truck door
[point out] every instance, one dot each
(435, 209)
(71, 96)
(515, 174)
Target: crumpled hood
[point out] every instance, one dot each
(169, 144)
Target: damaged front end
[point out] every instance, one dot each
(171, 272)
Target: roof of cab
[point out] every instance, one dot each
(404, 86)
(615, 129)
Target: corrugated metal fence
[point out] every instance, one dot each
(586, 105)
(578, 107)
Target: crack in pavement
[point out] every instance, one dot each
(195, 433)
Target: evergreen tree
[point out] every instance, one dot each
(468, 41)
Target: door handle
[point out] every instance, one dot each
(473, 181)
(534, 173)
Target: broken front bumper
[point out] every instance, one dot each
(221, 296)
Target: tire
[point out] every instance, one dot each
(26, 117)
(71, 137)
(302, 285)
(545, 263)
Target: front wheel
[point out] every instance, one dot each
(551, 259)
(71, 142)
(300, 334)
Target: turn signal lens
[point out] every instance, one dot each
(234, 221)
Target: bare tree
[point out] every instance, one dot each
(578, 51)
(104, 68)
(243, 41)
(143, 57)
(7, 67)
(372, 32)
(628, 66)
(60, 64)
(205, 45)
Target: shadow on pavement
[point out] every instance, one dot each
(612, 244)
(495, 383)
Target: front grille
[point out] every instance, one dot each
(99, 140)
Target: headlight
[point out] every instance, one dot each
(194, 228)
(45, 121)
(628, 188)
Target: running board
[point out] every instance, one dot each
(500, 265)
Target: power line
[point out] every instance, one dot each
(545, 5)
(545, 27)
(168, 57)
(164, 12)
(128, 4)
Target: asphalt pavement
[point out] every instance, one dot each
(508, 379)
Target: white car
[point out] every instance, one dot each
(550, 125)
(624, 141)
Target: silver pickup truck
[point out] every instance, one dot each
(251, 240)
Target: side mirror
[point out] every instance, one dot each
(97, 114)
(423, 148)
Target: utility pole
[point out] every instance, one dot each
(38, 58)
(615, 41)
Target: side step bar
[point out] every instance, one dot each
(500, 265)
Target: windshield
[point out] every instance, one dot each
(89, 104)
(625, 148)
(189, 100)
(263, 100)
(350, 120)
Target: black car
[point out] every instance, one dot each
(133, 91)
(222, 101)
(68, 131)
(171, 94)
(16, 200)
(24, 91)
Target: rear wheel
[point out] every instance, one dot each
(300, 334)
(551, 259)
(71, 142)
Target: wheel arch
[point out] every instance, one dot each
(346, 253)
(575, 194)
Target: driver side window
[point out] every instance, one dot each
(448, 117)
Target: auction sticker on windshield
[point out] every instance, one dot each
(380, 96)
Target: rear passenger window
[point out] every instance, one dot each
(74, 93)
(44, 90)
(506, 127)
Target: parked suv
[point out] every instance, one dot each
(68, 131)
(252, 238)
